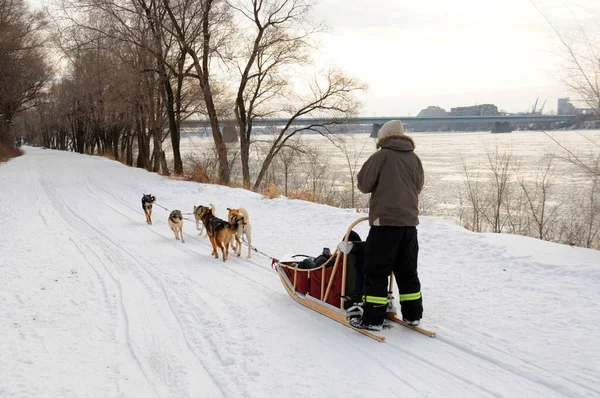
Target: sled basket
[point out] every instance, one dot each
(336, 282)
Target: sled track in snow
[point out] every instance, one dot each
(59, 205)
(521, 371)
(121, 306)
(433, 365)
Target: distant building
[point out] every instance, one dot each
(432, 111)
(565, 107)
(475, 110)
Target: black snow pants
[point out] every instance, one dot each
(392, 249)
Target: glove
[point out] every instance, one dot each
(345, 247)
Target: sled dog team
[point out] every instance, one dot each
(219, 231)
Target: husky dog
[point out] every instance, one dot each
(176, 224)
(199, 223)
(147, 201)
(219, 231)
(240, 220)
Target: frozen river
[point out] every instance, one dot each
(443, 156)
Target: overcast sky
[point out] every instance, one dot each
(451, 53)
(415, 53)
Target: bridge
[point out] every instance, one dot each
(513, 119)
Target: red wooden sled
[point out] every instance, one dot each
(323, 289)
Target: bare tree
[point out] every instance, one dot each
(275, 41)
(289, 157)
(590, 167)
(277, 36)
(201, 29)
(501, 167)
(582, 226)
(319, 175)
(23, 66)
(475, 197)
(581, 48)
(332, 96)
(538, 199)
(353, 156)
(138, 23)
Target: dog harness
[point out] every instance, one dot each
(237, 220)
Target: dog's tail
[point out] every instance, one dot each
(244, 214)
(212, 207)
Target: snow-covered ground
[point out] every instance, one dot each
(94, 302)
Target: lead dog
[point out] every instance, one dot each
(241, 222)
(219, 231)
(176, 224)
(147, 201)
(199, 223)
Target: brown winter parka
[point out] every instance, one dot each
(394, 177)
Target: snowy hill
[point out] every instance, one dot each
(94, 302)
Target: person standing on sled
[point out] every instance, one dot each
(394, 177)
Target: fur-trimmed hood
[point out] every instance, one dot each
(397, 142)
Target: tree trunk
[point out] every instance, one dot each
(245, 152)
(129, 156)
(142, 159)
(163, 161)
(115, 142)
(173, 125)
(167, 91)
(265, 167)
(156, 150)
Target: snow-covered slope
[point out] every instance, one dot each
(94, 302)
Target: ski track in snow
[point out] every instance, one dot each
(164, 371)
(96, 302)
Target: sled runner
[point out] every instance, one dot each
(332, 284)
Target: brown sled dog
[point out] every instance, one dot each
(240, 221)
(199, 223)
(176, 224)
(147, 201)
(219, 231)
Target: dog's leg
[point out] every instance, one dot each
(181, 233)
(238, 248)
(214, 246)
(220, 246)
(248, 232)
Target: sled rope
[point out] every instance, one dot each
(162, 207)
(254, 249)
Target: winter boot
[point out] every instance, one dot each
(357, 322)
(355, 310)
